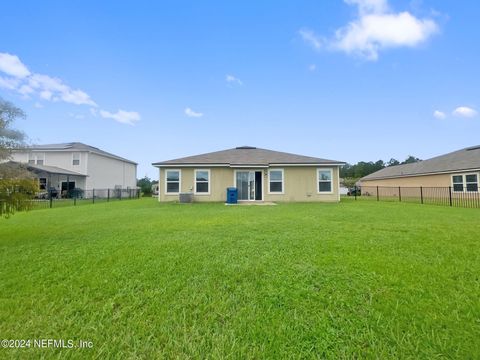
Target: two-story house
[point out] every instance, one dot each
(75, 165)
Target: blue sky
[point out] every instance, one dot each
(347, 80)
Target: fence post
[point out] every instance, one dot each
(399, 194)
(108, 195)
(421, 195)
(50, 196)
(93, 196)
(450, 194)
(378, 195)
(355, 189)
(75, 200)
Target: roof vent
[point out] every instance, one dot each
(246, 147)
(473, 148)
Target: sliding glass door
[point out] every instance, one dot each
(249, 185)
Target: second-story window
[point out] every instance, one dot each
(40, 158)
(76, 159)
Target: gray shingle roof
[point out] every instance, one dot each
(247, 155)
(77, 146)
(464, 159)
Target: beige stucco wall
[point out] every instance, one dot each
(300, 184)
(440, 180)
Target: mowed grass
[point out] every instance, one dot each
(147, 280)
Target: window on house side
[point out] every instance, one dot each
(324, 180)
(76, 159)
(172, 180)
(275, 181)
(471, 182)
(202, 181)
(42, 183)
(457, 181)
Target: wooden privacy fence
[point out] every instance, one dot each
(445, 196)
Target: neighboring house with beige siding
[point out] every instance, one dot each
(459, 170)
(258, 175)
(76, 165)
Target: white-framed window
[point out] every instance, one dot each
(172, 181)
(324, 181)
(202, 181)
(457, 182)
(275, 181)
(75, 158)
(40, 158)
(465, 183)
(31, 158)
(471, 182)
(36, 158)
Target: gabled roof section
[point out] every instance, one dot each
(461, 160)
(76, 146)
(247, 156)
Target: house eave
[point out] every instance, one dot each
(176, 165)
(421, 174)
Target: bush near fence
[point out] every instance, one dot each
(445, 196)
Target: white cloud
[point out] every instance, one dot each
(38, 105)
(465, 111)
(312, 67)
(122, 116)
(190, 113)
(439, 114)
(9, 83)
(46, 95)
(376, 28)
(233, 80)
(51, 88)
(311, 38)
(19, 79)
(25, 90)
(11, 65)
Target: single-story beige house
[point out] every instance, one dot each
(459, 170)
(258, 175)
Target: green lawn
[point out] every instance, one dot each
(147, 280)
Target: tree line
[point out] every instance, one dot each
(364, 168)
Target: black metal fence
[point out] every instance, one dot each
(52, 199)
(445, 196)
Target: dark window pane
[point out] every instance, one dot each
(275, 175)
(76, 162)
(457, 187)
(472, 187)
(324, 175)
(325, 186)
(202, 187)
(173, 175)
(202, 176)
(457, 179)
(42, 183)
(471, 178)
(275, 187)
(173, 187)
(39, 162)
